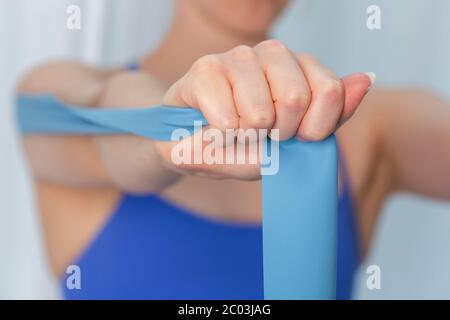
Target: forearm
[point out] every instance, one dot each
(127, 162)
(66, 160)
(133, 164)
(416, 137)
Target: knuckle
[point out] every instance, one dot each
(178, 91)
(314, 135)
(297, 101)
(261, 120)
(243, 53)
(333, 90)
(230, 122)
(185, 91)
(207, 63)
(273, 45)
(307, 57)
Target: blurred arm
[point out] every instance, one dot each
(414, 132)
(93, 161)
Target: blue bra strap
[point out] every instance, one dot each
(299, 202)
(134, 66)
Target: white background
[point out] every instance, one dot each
(413, 48)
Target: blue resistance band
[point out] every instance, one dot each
(299, 202)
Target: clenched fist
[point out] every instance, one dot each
(265, 87)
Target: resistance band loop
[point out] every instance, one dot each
(299, 201)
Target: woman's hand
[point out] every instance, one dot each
(265, 87)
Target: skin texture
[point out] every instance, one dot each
(398, 140)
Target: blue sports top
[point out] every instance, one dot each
(152, 249)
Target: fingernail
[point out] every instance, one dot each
(373, 78)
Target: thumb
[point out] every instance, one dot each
(356, 87)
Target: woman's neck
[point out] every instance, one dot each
(191, 36)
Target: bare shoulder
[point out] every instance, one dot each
(132, 89)
(71, 81)
(361, 138)
(81, 84)
(363, 144)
